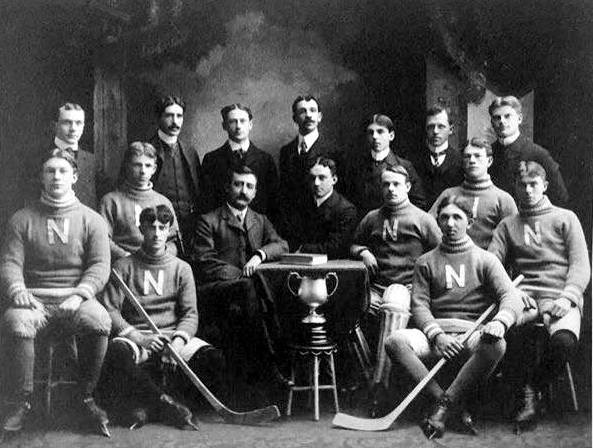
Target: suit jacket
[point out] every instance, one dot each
(222, 245)
(507, 162)
(363, 186)
(191, 164)
(216, 165)
(328, 228)
(437, 179)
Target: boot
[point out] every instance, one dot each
(526, 415)
(15, 417)
(434, 425)
(176, 413)
(138, 417)
(96, 415)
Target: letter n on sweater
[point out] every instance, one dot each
(529, 234)
(53, 229)
(157, 285)
(451, 275)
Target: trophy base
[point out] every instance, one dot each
(315, 335)
(313, 318)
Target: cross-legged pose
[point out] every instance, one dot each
(54, 261)
(121, 208)
(453, 285)
(546, 244)
(489, 203)
(164, 285)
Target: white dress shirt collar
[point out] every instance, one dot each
(243, 146)
(168, 139)
(321, 200)
(309, 140)
(61, 144)
(381, 155)
(506, 141)
(439, 149)
(236, 212)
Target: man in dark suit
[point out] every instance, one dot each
(229, 243)
(178, 170)
(329, 219)
(438, 164)
(512, 150)
(237, 121)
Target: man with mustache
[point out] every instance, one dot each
(230, 242)
(512, 148)
(237, 121)
(178, 174)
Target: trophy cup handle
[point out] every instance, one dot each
(335, 277)
(290, 276)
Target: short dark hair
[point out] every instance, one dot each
(304, 98)
(167, 101)
(509, 100)
(239, 168)
(160, 213)
(397, 169)
(436, 109)
(479, 142)
(530, 169)
(69, 106)
(66, 154)
(458, 201)
(226, 109)
(139, 149)
(381, 120)
(327, 162)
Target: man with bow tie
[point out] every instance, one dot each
(237, 121)
(512, 148)
(438, 164)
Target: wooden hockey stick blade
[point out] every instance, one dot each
(385, 422)
(255, 417)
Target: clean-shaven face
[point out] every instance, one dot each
(438, 129)
(453, 222)
(395, 187)
(530, 190)
(155, 235)
(237, 125)
(379, 137)
(58, 177)
(70, 125)
(307, 116)
(140, 170)
(505, 121)
(322, 180)
(475, 162)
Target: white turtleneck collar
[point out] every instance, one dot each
(506, 141)
(61, 144)
(168, 139)
(438, 149)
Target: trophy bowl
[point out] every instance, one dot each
(313, 292)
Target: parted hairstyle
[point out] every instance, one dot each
(166, 101)
(160, 213)
(436, 109)
(509, 100)
(238, 168)
(479, 142)
(381, 120)
(226, 109)
(327, 162)
(530, 169)
(65, 154)
(68, 106)
(138, 149)
(397, 169)
(458, 201)
(305, 98)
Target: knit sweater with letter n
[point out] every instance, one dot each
(455, 283)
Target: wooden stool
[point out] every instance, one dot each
(317, 354)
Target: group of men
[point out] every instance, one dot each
(445, 227)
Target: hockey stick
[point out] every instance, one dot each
(384, 423)
(255, 417)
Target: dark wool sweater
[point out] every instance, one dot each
(547, 245)
(455, 283)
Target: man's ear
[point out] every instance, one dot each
(470, 222)
(546, 183)
(520, 117)
(452, 129)
(408, 186)
(320, 115)
(490, 160)
(74, 178)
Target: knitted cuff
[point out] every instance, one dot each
(126, 331)
(182, 334)
(432, 330)
(506, 317)
(86, 291)
(573, 294)
(16, 288)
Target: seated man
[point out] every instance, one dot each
(165, 286)
(546, 244)
(490, 204)
(389, 239)
(229, 243)
(54, 261)
(453, 285)
(121, 208)
(328, 219)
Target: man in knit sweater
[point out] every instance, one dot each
(54, 260)
(546, 244)
(389, 239)
(453, 285)
(489, 203)
(164, 285)
(121, 208)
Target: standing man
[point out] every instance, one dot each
(230, 242)
(512, 148)
(328, 218)
(178, 170)
(296, 158)
(438, 164)
(237, 121)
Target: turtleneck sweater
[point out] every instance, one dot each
(52, 246)
(396, 236)
(165, 287)
(455, 283)
(547, 245)
(489, 204)
(121, 209)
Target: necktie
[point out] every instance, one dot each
(436, 158)
(303, 148)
